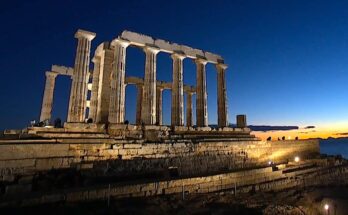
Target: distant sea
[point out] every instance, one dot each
(334, 146)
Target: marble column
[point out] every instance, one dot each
(189, 109)
(100, 95)
(47, 101)
(78, 94)
(148, 112)
(221, 97)
(139, 100)
(177, 115)
(159, 106)
(95, 89)
(201, 97)
(117, 83)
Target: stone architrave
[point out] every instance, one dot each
(47, 101)
(189, 109)
(117, 83)
(201, 96)
(148, 111)
(78, 94)
(221, 95)
(177, 115)
(139, 100)
(159, 106)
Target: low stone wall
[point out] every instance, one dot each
(126, 158)
(288, 149)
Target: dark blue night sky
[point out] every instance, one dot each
(288, 60)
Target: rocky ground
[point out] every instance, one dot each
(310, 201)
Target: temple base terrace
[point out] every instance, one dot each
(141, 132)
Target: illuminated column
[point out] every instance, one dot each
(139, 100)
(201, 97)
(117, 83)
(189, 109)
(148, 111)
(159, 106)
(221, 97)
(177, 91)
(78, 93)
(95, 89)
(47, 101)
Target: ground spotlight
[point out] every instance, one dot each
(297, 159)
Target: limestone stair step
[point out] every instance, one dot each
(292, 168)
(303, 172)
(86, 140)
(224, 139)
(37, 130)
(73, 135)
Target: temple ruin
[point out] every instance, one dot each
(109, 157)
(107, 83)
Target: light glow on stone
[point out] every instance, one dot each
(297, 159)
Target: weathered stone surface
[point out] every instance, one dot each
(78, 94)
(47, 100)
(201, 97)
(142, 40)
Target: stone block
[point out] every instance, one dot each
(241, 121)
(12, 132)
(132, 146)
(227, 129)
(26, 179)
(117, 126)
(17, 189)
(85, 166)
(8, 178)
(180, 128)
(52, 198)
(203, 129)
(17, 163)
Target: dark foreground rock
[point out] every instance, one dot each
(309, 201)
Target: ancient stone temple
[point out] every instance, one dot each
(107, 83)
(145, 158)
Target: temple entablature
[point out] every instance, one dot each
(142, 40)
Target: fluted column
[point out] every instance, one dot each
(117, 83)
(78, 93)
(221, 97)
(148, 112)
(47, 100)
(201, 97)
(159, 106)
(189, 109)
(139, 100)
(95, 89)
(177, 116)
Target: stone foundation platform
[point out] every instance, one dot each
(42, 159)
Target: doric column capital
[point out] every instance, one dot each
(151, 49)
(178, 55)
(122, 42)
(221, 66)
(50, 74)
(85, 34)
(201, 60)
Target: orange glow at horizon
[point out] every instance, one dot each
(335, 130)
